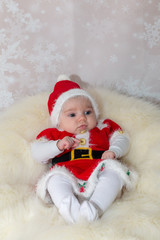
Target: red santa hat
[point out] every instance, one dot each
(63, 90)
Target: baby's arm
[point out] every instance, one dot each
(43, 150)
(119, 145)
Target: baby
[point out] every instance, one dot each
(85, 177)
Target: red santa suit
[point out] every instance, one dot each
(83, 164)
(81, 172)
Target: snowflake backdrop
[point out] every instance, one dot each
(113, 43)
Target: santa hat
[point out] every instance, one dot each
(63, 90)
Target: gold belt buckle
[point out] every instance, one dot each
(88, 156)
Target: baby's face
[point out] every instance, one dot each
(77, 115)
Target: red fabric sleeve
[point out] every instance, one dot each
(111, 127)
(49, 134)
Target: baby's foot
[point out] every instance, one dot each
(88, 211)
(69, 209)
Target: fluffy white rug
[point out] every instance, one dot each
(24, 217)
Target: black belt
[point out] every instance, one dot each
(74, 154)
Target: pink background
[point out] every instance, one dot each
(112, 43)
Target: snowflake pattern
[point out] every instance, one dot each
(100, 29)
(152, 33)
(113, 59)
(125, 9)
(43, 57)
(6, 99)
(136, 87)
(40, 41)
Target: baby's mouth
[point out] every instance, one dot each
(83, 127)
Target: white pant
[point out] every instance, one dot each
(61, 191)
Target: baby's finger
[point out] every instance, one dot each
(68, 143)
(76, 142)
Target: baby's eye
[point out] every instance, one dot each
(88, 112)
(72, 115)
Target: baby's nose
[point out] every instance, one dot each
(82, 117)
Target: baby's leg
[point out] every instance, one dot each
(107, 189)
(61, 192)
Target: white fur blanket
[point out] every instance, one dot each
(24, 217)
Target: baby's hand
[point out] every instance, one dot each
(108, 154)
(67, 143)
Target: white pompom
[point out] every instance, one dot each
(62, 77)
